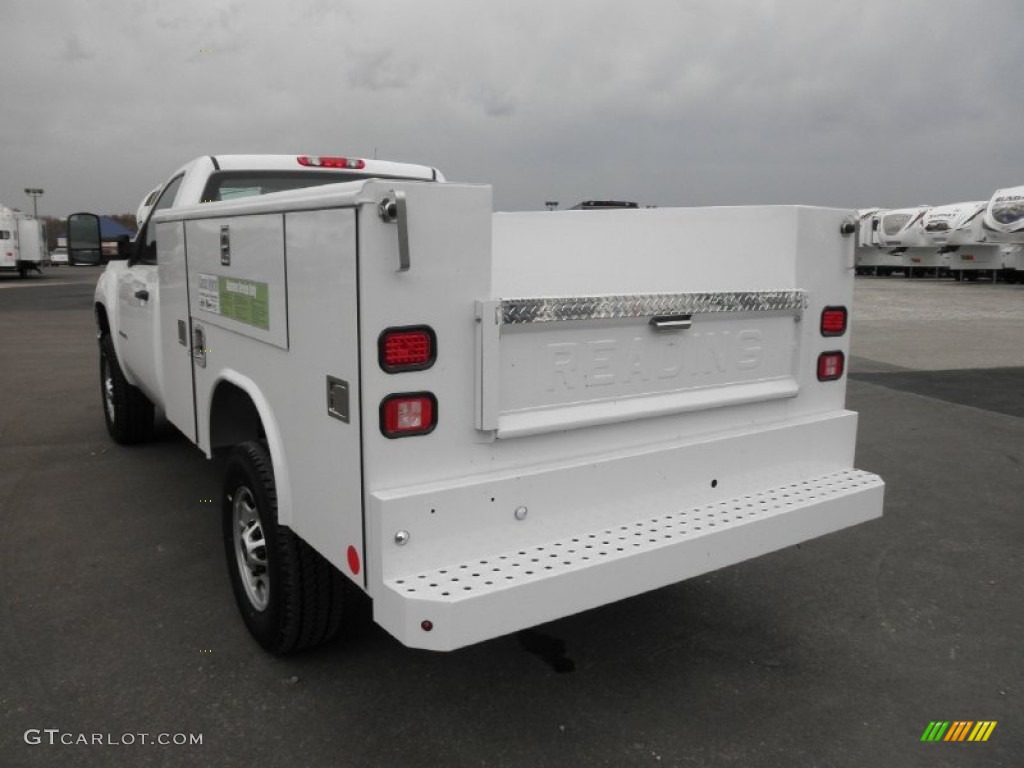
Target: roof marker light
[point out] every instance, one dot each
(316, 161)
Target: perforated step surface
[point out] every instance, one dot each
(510, 569)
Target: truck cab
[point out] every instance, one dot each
(133, 284)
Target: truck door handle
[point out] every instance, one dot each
(142, 294)
(672, 322)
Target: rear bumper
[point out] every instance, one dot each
(485, 597)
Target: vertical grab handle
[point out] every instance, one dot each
(392, 209)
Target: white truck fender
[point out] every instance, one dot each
(273, 434)
(105, 296)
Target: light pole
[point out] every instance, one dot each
(34, 192)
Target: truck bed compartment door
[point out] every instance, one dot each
(552, 364)
(174, 353)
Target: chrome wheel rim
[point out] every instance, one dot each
(250, 548)
(108, 389)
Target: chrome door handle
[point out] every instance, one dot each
(672, 322)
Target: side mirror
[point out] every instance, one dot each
(84, 241)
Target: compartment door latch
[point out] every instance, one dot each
(225, 245)
(199, 346)
(392, 209)
(337, 399)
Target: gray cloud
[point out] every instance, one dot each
(75, 50)
(704, 102)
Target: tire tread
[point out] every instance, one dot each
(133, 422)
(311, 590)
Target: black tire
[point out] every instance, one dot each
(126, 410)
(289, 596)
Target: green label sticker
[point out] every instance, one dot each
(245, 301)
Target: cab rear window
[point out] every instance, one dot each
(233, 185)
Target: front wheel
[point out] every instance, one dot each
(290, 597)
(127, 412)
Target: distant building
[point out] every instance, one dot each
(597, 205)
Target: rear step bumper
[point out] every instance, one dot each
(467, 602)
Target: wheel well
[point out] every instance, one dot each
(101, 320)
(233, 417)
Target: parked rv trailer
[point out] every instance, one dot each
(902, 234)
(1003, 220)
(22, 242)
(870, 257)
(955, 232)
(1012, 262)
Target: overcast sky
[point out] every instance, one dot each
(681, 102)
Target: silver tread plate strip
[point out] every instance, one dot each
(549, 310)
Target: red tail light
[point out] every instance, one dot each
(830, 366)
(833, 321)
(412, 348)
(408, 414)
(315, 161)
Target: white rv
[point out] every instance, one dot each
(870, 257)
(902, 234)
(22, 242)
(955, 231)
(1003, 220)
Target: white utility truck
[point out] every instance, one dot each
(22, 242)
(485, 421)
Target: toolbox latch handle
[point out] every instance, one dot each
(392, 209)
(672, 322)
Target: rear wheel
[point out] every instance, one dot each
(290, 597)
(127, 412)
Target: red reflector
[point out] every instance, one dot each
(412, 348)
(316, 161)
(833, 321)
(407, 415)
(353, 560)
(830, 366)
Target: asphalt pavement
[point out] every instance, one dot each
(117, 619)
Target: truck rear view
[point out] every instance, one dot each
(491, 421)
(651, 395)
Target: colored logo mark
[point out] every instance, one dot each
(958, 730)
